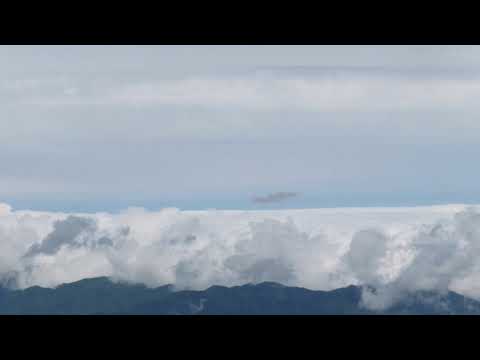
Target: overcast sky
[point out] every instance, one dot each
(87, 128)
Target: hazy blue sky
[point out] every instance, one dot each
(86, 128)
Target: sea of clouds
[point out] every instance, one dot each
(395, 250)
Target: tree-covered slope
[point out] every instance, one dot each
(102, 296)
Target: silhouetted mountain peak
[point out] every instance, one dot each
(89, 282)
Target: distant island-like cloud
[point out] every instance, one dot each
(274, 197)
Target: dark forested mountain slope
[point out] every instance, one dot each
(102, 296)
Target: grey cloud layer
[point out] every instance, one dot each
(65, 232)
(333, 122)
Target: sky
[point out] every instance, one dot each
(104, 128)
(338, 165)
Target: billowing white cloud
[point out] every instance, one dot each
(442, 256)
(395, 250)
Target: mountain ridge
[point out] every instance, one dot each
(102, 296)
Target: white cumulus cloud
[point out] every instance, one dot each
(395, 250)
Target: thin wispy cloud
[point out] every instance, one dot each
(354, 90)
